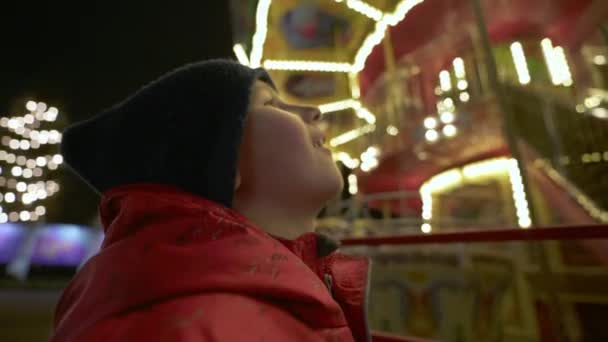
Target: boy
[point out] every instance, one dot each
(210, 187)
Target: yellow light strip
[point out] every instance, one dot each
(519, 195)
(557, 63)
(365, 9)
(521, 65)
(445, 80)
(375, 37)
(339, 105)
(366, 115)
(452, 178)
(307, 66)
(459, 69)
(261, 29)
(353, 80)
(240, 54)
(347, 160)
(352, 184)
(351, 135)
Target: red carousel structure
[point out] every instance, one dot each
(473, 135)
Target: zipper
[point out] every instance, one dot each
(368, 332)
(329, 282)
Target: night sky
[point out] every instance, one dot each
(85, 56)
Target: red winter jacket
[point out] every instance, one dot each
(175, 267)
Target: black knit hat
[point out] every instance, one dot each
(183, 129)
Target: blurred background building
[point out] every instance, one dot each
(449, 118)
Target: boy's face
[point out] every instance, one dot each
(283, 150)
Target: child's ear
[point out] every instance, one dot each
(237, 180)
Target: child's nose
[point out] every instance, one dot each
(310, 114)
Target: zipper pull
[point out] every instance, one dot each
(329, 282)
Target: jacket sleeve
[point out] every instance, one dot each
(209, 317)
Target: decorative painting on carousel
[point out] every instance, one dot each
(308, 25)
(437, 295)
(487, 204)
(312, 31)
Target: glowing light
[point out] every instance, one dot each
(448, 103)
(365, 9)
(352, 184)
(24, 215)
(446, 118)
(485, 168)
(459, 69)
(40, 210)
(51, 114)
(445, 81)
(557, 63)
(425, 228)
(24, 145)
(41, 108)
(347, 160)
(366, 115)
(463, 84)
(369, 43)
(339, 105)
(519, 195)
(41, 194)
(353, 80)
(377, 35)
(430, 123)
(351, 135)
(28, 198)
(449, 130)
(464, 97)
(600, 60)
(58, 159)
(3, 218)
(431, 135)
(14, 144)
(41, 161)
(43, 138)
(21, 186)
(392, 130)
(564, 68)
(241, 55)
(9, 197)
(319, 66)
(261, 29)
(31, 106)
(453, 178)
(521, 64)
(600, 113)
(593, 101)
(369, 158)
(16, 171)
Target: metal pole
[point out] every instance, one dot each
(497, 88)
(509, 132)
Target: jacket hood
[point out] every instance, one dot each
(163, 243)
(184, 130)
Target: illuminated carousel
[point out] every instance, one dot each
(456, 116)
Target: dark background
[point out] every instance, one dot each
(85, 56)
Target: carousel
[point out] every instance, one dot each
(452, 116)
